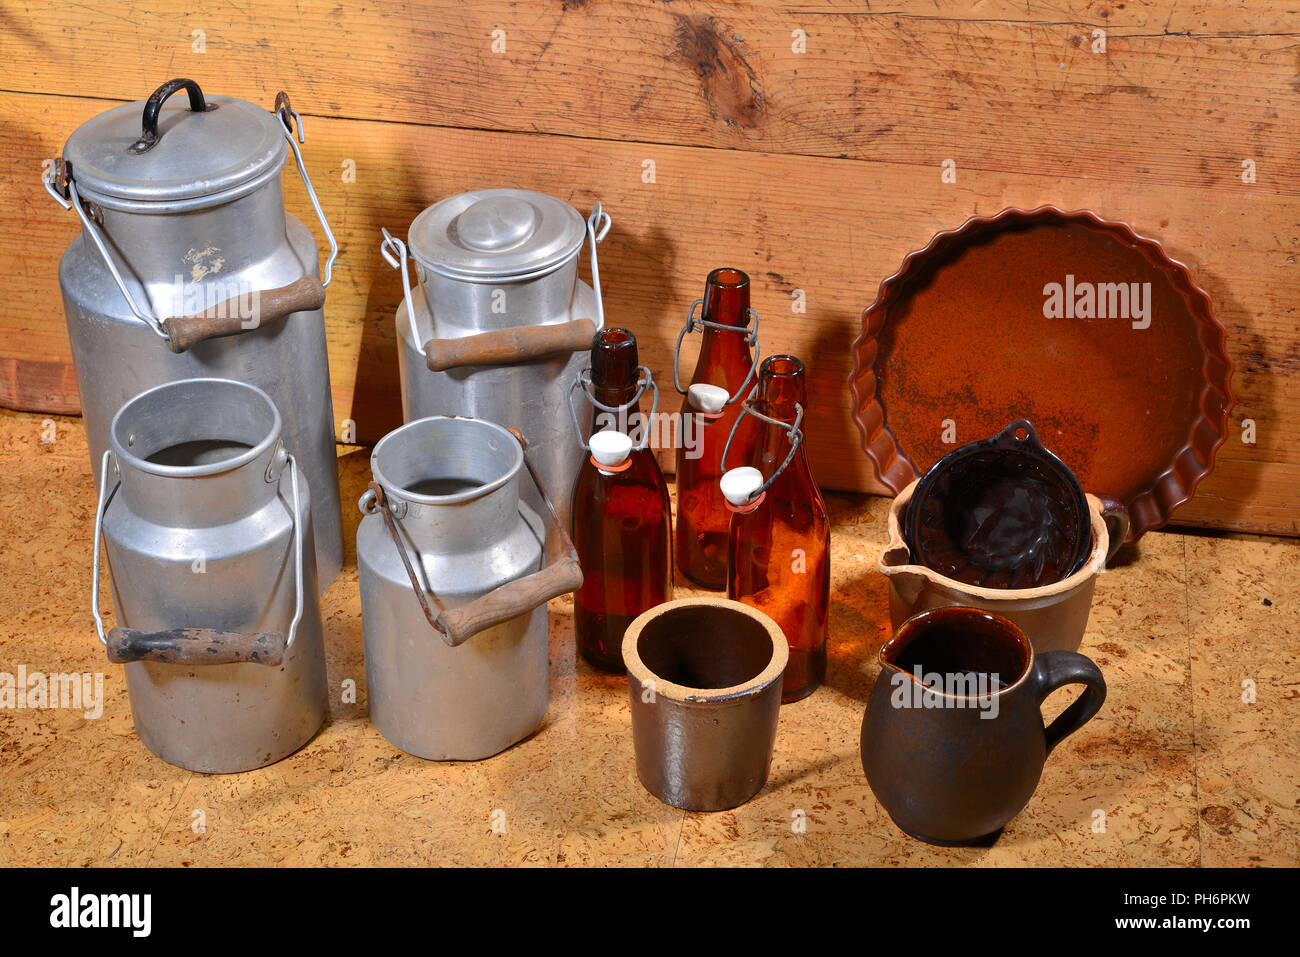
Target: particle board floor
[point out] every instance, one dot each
(1177, 769)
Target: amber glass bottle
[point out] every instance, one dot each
(725, 361)
(621, 518)
(779, 548)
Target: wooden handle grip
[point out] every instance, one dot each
(510, 600)
(507, 346)
(236, 315)
(195, 646)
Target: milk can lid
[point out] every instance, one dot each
(193, 159)
(496, 234)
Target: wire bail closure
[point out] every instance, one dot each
(791, 429)
(583, 381)
(692, 322)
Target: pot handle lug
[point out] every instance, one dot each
(194, 646)
(561, 575)
(1055, 669)
(149, 135)
(509, 346)
(244, 313)
(1115, 514)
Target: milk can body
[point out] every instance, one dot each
(210, 558)
(498, 323)
(174, 232)
(468, 677)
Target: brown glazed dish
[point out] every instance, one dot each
(1135, 403)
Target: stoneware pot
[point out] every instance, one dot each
(704, 681)
(1053, 616)
(953, 741)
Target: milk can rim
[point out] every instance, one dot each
(392, 490)
(129, 458)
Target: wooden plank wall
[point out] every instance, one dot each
(816, 170)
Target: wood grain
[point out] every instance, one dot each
(811, 192)
(1000, 85)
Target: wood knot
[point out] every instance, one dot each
(728, 83)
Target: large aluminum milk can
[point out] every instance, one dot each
(499, 323)
(188, 266)
(205, 521)
(453, 589)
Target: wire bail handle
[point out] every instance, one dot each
(751, 340)
(106, 496)
(598, 224)
(560, 574)
(397, 254)
(791, 429)
(293, 125)
(583, 381)
(61, 184)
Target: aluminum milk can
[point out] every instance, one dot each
(188, 266)
(205, 521)
(453, 589)
(499, 323)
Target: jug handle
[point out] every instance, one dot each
(149, 135)
(193, 646)
(509, 346)
(562, 575)
(1055, 669)
(231, 318)
(1115, 514)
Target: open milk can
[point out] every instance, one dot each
(454, 589)
(188, 266)
(499, 324)
(205, 520)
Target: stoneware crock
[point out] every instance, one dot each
(953, 740)
(1053, 616)
(704, 681)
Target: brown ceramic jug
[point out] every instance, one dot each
(953, 741)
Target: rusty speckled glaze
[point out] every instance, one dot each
(959, 333)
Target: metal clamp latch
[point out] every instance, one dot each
(791, 429)
(583, 382)
(692, 322)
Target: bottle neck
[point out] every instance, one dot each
(614, 368)
(781, 395)
(726, 298)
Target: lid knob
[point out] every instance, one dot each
(497, 222)
(739, 484)
(610, 448)
(707, 398)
